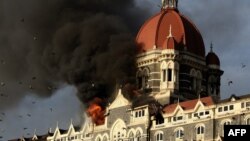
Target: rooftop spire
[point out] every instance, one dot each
(169, 4)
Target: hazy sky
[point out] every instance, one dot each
(226, 23)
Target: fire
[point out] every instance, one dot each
(96, 112)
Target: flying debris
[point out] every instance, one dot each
(93, 84)
(34, 78)
(50, 109)
(20, 116)
(22, 20)
(20, 82)
(33, 102)
(243, 65)
(29, 115)
(230, 82)
(25, 128)
(1, 120)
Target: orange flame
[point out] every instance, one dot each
(96, 112)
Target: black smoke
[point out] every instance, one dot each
(85, 43)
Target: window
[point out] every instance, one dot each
(248, 121)
(177, 118)
(179, 134)
(164, 75)
(98, 139)
(169, 75)
(220, 109)
(231, 107)
(222, 127)
(225, 108)
(200, 130)
(227, 123)
(242, 105)
(131, 136)
(247, 104)
(207, 113)
(142, 78)
(139, 79)
(105, 138)
(159, 137)
(201, 114)
(196, 115)
(138, 135)
(140, 113)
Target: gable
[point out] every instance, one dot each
(119, 101)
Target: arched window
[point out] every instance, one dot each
(196, 80)
(164, 72)
(138, 136)
(142, 78)
(159, 136)
(145, 78)
(131, 136)
(223, 123)
(212, 85)
(200, 130)
(98, 139)
(139, 79)
(105, 138)
(227, 123)
(170, 71)
(179, 134)
(193, 79)
(248, 121)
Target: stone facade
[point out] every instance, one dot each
(200, 119)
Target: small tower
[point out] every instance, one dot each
(213, 74)
(169, 4)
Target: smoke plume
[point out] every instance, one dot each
(88, 44)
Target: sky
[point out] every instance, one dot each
(226, 23)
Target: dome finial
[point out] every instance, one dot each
(169, 4)
(211, 47)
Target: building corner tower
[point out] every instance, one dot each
(171, 61)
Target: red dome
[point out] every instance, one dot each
(212, 59)
(156, 30)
